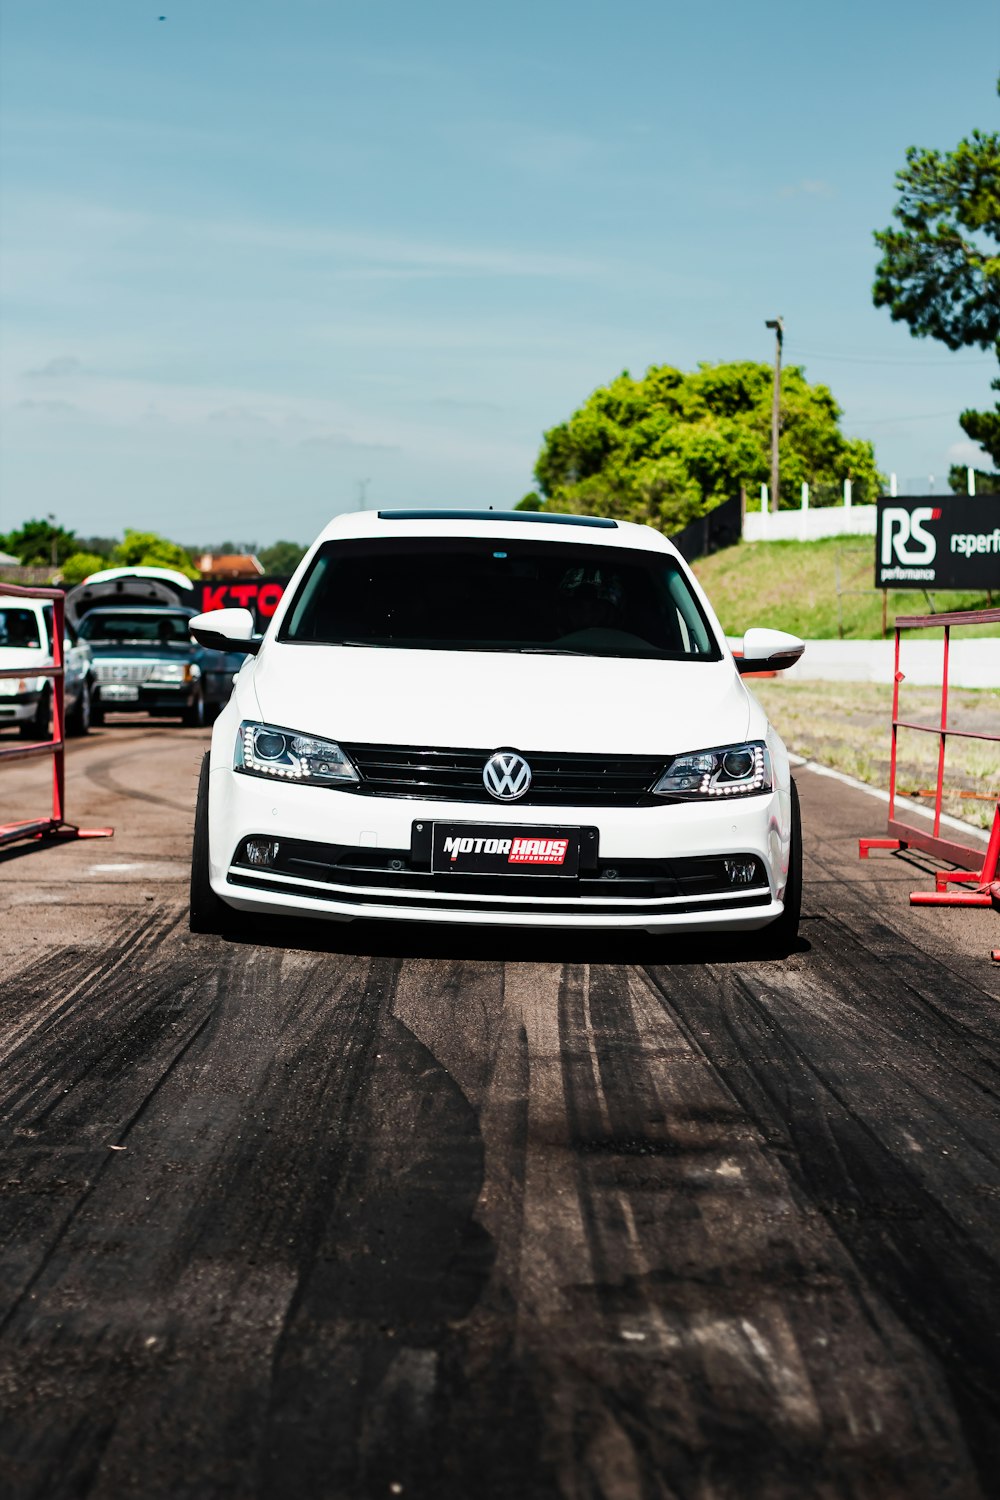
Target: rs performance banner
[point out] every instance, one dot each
(938, 541)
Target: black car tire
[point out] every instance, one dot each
(80, 718)
(778, 940)
(38, 726)
(96, 708)
(207, 913)
(193, 716)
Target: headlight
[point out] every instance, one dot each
(175, 671)
(731, 771)
(283, 755)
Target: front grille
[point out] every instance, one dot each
(124, 671)
(557, 780)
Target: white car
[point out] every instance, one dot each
(25, 646)
(496, 718)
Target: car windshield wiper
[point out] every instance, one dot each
(553, 651)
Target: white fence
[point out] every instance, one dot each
(809, 525)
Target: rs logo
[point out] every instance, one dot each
(900, 526)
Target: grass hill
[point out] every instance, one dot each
(818, 590)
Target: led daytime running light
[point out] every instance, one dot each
(730, 771)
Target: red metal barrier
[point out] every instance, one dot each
(974, 867)
(54, 826)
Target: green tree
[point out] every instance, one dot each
(39, 543)
(669, 447)
(144, 549)
(940, 265)
(79, 565)
(281, 557)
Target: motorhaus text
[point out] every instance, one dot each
(533, 851)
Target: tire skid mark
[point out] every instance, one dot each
(83, 974)
(940, 1284)
(932, 1003)
(206, 1219)
(391, 1299)
(673, 1339)
(875, 930)
(100, 773)
(51, 1250)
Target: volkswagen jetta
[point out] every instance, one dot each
(496, 718)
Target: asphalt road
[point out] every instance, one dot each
(362, 1212)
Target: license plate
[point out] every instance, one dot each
(119, 692)
(499, 849)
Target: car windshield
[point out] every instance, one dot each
(455, 594)
(19, 628)
(105, 627)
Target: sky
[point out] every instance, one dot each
(262, 261)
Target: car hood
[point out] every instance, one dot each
(489, 700)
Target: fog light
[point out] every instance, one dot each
(740, 871)
(262, 851)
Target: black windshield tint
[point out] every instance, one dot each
(499, 595)
(161, 630)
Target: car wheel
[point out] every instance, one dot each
(777, 940)
(193, 716)
(37, 727)
(207, 913)
(79, 720)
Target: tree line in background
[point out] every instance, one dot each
(46, 544)
(667, 448)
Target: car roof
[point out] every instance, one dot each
(528, 524)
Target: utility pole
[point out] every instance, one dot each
(363, 493)
(778, 324)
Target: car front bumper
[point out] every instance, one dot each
(147, 698)
(18, 708)
(373, 833)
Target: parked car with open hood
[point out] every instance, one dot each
(136, 624)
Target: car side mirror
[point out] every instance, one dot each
(226, 630)
(769, 651)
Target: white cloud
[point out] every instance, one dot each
(343, 440)
(60, 368)
(50, 408)
(808, 187)
(970, 454)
